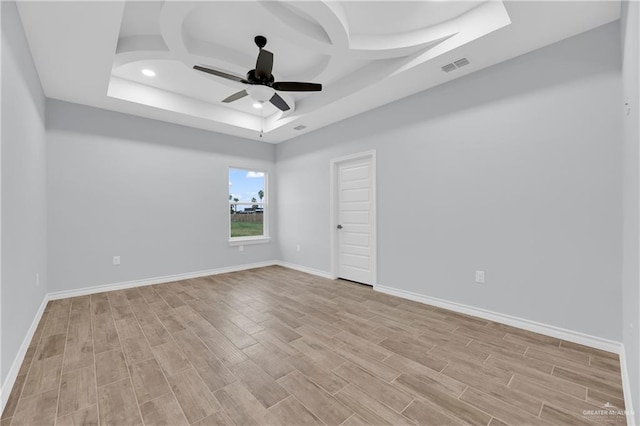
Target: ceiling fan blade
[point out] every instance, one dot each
(220, 74)
(279, 102)
(264, 64)
(293, 86)
(235, 96)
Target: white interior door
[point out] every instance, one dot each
(355, 219)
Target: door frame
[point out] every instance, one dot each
(333, 205)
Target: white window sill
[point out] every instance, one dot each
(241, 241)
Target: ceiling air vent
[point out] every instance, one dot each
(448, 68)
(455, 65)
(461, 62)
(300, 127)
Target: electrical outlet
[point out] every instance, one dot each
(297, 247)
(480, 277)
(37, 279)
(116, 260)
(240, 248)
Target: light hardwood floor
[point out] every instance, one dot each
(276, 346)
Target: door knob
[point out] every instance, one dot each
(339, 226)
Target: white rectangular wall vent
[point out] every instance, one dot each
(300, 127)
(455, 65)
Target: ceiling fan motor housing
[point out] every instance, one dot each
(255, 79)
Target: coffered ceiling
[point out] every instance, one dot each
(364, 53)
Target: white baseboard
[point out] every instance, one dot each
(156, 280)
(536, 327)
(10, 380)
(626, 389)
(305, 269)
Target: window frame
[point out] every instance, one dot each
(253, 239)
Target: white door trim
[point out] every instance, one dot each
(333, 205)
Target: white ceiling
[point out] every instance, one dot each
(365, 53)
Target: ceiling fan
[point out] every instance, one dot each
(262, 84)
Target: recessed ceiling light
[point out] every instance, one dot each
(148, 72)
(257, 105)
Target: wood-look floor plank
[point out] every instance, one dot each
(371, 410)
(170, 358)
(586, 349)
(208, 366)
(217, 343)
(548, 381)
(77, 391)
(148, 380)
(78, 355)
(359, 358)
(263, 387)
(603, 386)
(117, 404)
(559, 417)
(105, 334)
(318, 352)
(355, 420)
(100, 304)
(128, 328)
(600, 399)
(271, 341)
(235, 334)
(193, 395)
(569, 404)
(55, 325)
(315, 399)
(382, 391)
(14, 396)
(273, 362)
(52, 345)
(415, 351)
(423, 413)
(37, 409)
(136, 349)
(219, 418)
(421, 372)
(450, 405)
(79, 327)
(290, 411)
(610, 364)
(374, 351)
(28, 358)
(324, 378)
(44, 375)
(242, 407)
(163, 410)
(110, 367)
(84, 417)
(499, 409)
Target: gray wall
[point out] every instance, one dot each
(23, 188)
(515, 170)
(631, 155)
(154, 193)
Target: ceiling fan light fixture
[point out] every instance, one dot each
(148, 72)
(260, 93)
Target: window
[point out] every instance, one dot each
(247, 206)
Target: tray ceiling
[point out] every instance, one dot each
(365, 54)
